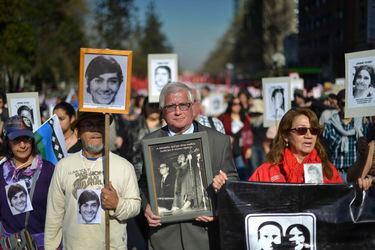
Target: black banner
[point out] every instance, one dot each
(295, 216)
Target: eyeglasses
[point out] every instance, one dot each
(303, 130)
(236, 103)
(182, 106)
(24, 139)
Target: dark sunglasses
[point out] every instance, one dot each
(24, 139)
(303, 130)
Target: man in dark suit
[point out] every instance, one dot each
(176, 102)
(165, 188)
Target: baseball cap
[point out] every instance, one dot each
(15, 127)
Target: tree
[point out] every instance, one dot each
(152, 40)
(17, 44)
(39, 42)
(114, 23)
(255, 36)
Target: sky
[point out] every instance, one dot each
(192, 27)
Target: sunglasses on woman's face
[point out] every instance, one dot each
(303, 130)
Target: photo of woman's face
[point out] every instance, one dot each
(19, 201)
(279, 100)
(298, 237)
(26, 114)
(363, 80)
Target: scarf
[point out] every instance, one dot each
(294, 172)
(12, 175)
(356, 130)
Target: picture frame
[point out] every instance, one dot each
(162, 69)
(25, 104)
(185, 160)
(296, 84)
(276, 92)
(360, 84)
(105, 80)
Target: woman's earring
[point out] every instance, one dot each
(286, 144)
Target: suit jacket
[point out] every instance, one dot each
(166, 192)
(193, 234)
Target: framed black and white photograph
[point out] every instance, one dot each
(281, 231)
(178, 174)
(26, 105)
(297, 83)
(360, 84)
(88, 204)
(18, 198)
(313, 173)
(276, 96)
(104, 80)
(162, 69)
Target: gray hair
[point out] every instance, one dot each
(174, 87)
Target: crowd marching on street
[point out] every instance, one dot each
(63, 203)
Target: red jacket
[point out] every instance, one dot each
(290, 171)
(246, 132)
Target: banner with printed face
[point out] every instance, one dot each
(257, 216)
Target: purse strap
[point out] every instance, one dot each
(33, 184)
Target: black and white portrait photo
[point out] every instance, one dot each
(360, 83)
(313, 173)
(88, 206)
(162, 76)
(25, 105)
(276, 95)
(18, 198)
(296, 84)
(105, 80)
(162, 69)
(180, 177)
(27, 114)
(281, 231)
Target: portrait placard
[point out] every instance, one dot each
(280, 231)
(88, 204)
(162, 69)
(276, 96)
(360, 84)
(313, 173)
(178, 172)
(18, 198)
(297, 83)
(26, 105)
(104, 80)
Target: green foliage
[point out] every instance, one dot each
(114, 23)
(40, 41)
(151, 40)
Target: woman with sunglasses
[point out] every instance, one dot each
(295, 146)
(23, 166)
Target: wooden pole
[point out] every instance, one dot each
(106, 177)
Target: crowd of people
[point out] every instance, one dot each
(60, 205)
